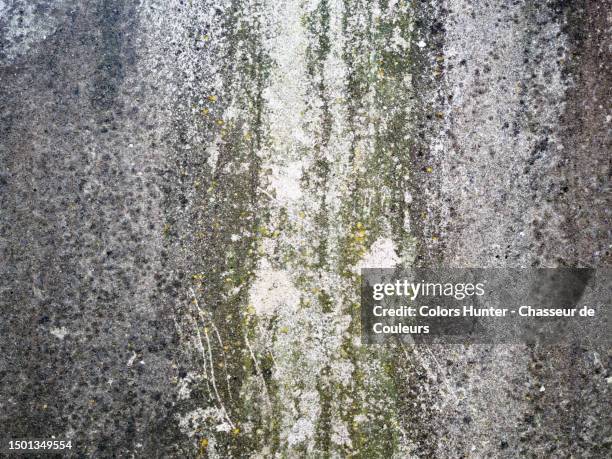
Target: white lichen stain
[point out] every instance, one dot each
(302, 430)
(213, 154)
(285, 181)
(382, 254)
(340, 435)
(343, 370)
(185, 384)
(273, 293)
(311, 331)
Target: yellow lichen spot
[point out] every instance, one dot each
(248, 135)
(250, 309)
(434, 238)
(204, 443)
(212, 98)
(301, 214)
(235, 431)
(429, 169)
(381, 73)
(284, 330)
(439, 115)
(359, 235)
(220, 122)
(205, 111)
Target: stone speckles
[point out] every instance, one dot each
(188, 187)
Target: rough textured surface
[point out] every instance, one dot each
(188, 188)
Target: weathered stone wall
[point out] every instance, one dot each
(188, 190)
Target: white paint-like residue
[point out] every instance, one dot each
(285, 181)
(192, 422)
(272, 292)
(59, 333)
(130, 362)
(185, 384)
(213, 155)
(382, 254)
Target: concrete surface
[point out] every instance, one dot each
(188, 189)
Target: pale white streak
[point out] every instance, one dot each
(306, 338)
(286, 101)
